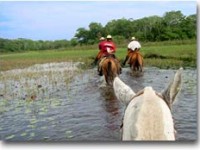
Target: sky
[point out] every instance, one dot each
(56, 20)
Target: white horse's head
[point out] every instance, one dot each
(148, 113)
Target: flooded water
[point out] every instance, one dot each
(50, 108)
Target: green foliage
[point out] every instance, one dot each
(172, 26)
(19, 45)
(90, 36)
(159, 54)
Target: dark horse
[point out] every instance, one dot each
(110, 68)
(136, 61)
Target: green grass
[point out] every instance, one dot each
(21, 60)
(167, 56)
(162, 56)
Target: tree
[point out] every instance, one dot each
(171, 25)
(82, 35)
(188, 26)
(73, 42)
(95, 32)
(120, 27)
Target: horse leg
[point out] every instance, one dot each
(119, 68)
(107, 81)
(138, 66)
(133, 65)
(141, 68)
(99, 71)
(140, 63)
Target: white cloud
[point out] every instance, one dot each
(58, 20)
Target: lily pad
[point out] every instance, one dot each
(10, 137)
(23, 134)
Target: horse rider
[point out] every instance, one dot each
(108, 49)
(102, 40)
(133, 46)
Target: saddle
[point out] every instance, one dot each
(104, 58)
(112, 57)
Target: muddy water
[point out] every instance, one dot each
(86, 109)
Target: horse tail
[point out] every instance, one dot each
(109, 71)
(140, 61)
(134, 60)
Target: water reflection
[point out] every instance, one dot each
(113, 110)
(111, 104)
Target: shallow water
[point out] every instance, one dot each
(87, 110)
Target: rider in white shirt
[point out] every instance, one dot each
(134, 45)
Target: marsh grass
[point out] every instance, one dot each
(30, 95)
(23, 60)
(36, 82)
(31, 92)
(166, 64)
(167, 55)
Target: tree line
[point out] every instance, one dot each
(21, 44)
(172, 25)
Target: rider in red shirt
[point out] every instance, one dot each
(102, 41)
(100, 53)
(108, 47)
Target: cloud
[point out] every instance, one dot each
(60, 20)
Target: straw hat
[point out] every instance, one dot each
(102, 38)
(133, 38)
(109, 37)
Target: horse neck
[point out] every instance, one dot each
(153, 119)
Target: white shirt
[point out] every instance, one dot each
(133, 45)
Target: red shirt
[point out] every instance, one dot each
(101, 45)
(108, 45)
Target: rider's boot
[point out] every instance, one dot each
(120, 70)
(125, 61)
(94, 62)
(100, 71)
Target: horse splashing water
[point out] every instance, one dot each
(136, 61)
(148, 113)
(110, 69)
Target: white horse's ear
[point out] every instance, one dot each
(123, 92)
(173, 89)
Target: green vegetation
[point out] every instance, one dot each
(167, 42)
(172, 26)
(169, 56)
(159, 54)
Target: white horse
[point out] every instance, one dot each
(148, 113)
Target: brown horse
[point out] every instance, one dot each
(136, 61)
(110, 68)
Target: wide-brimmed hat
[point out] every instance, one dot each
(133, 38)
(102, 38)
(109, 37)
